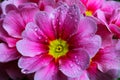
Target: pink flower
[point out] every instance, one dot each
(105, 64)
(114, 24)
(108, 7)
(92, 6)
(108, 14)
(16, 19)
(11, 27)
(7, 50)
(59, 42)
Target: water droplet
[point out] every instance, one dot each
(35, 28)
(71, 17)
(76, 20)
(74, 6)
(57, 19)
(69, 13)
(79, 69)
(39, 37)
(76, 13)
(78, 63)
(76, 60)
(43, 14)
(75, 57)
(25, 71)
(71, 65)
(58, 10)
(46, 40)
(60, 23)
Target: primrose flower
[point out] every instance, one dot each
(114, 24)
(92, 6)
(7, 50)
(58, 42)
(105, 64)
(11, 27)
(17, 18)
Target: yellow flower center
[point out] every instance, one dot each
(58, 48)
(88, 13)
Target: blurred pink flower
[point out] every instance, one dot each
(92, 6)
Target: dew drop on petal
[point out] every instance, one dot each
(25, 71)
(76, 20)
(35, 28)
(75, 57)
(43, 14)
(60, 23)
(46, 40)
(57, 20)
(39, 37)
(58, 10)
(71, 17)
(69, 13)
(71, 65)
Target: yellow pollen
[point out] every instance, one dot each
(58, 48)
(88, 13)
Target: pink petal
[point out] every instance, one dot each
(43, 4)
(78, 60)
(29, 48)
(79, 57)
(46, 73)
(101, 15)
(60, 15)
(90, 44)
(87, 27)
(28, 11)
(13, 24)
(117, 47)
(94, 4)
(6, 38)
(4, 4)
(107, 59)
(105, 35)
(33, 64)
(110, 6)
(115, 29)
(8, 54)
(71, 21)
(10, 7)
(77, 2)
(69, 68)
(84, 76)
(33, 33)
(43, 20)
(95, 74)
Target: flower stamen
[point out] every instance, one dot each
(58, 48)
